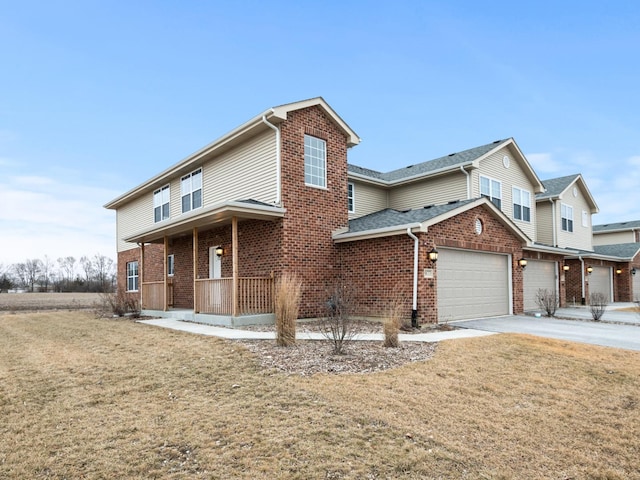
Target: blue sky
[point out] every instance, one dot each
(96, 97)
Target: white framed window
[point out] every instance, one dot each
(170, 265)
(521, 204)
(132, 276)
(585, 218)
(191, 191)
(351, 197)
(161, 199)
(492, 189)
(566, 212)
(315, 161)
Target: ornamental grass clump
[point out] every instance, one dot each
(392, 322)
(288, 294)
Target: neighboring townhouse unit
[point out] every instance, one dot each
(612, 233)
(207, 238)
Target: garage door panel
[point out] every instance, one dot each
(472, 284)
(636, 286)
(538, 275)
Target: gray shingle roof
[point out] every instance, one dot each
(555, 186)
(391, 218)
(622, 250)
(451, 160)
(617, 226)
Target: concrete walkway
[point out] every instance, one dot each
(238, 334)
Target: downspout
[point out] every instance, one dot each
(414, 306)
(468, 181)
(278, 167)
(582, 277)
(554, 240)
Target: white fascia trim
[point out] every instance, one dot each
(595, 256)
(549, 249)
(378, 232)
(393, 183)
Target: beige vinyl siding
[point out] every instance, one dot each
(544, 221)
(613, 237)
(434, 191)
(581, 237)
(367, 199)
(134, 217)
(247, 171)
(511, 176)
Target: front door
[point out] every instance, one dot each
(215, 273)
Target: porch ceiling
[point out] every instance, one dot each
(215, 215)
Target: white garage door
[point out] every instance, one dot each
(472, 285)
(538, 275)
(636, 286)
(600, 281)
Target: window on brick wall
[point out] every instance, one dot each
(170, 265)
(521, 204)
(191, 191)
(315, 161)
(351, 197)
(566, 212)
(492, 189)
(132, 276)
(161, 204)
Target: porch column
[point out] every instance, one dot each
(234, 249)
(141, 274)
(166, 249)
(195, 270)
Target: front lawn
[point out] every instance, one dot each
(93, 398)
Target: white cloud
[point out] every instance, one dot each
(42, 216)
(544, 163)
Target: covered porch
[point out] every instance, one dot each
(203, 291)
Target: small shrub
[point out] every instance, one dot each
(547, 301)
(288, 294)
(118, 304)
(339, 326)
(597, 305)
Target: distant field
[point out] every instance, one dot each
(47, 301)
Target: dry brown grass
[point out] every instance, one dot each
(88, 398)
(11, 302)
(288, 294)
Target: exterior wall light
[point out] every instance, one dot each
(618, 271)
(219, 251)
(433, 255)
(633, 271)
(589, 269)
(523, 263)
(565, 267)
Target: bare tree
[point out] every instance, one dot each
(29, 272)
(47, 272)
(87, 268)
(547, 301)
(103, 268)
(339, 325)
(597, 305)
(67, 267)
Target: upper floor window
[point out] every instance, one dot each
(161, 204)
(566, 212)
(315, 161)
(350, 197)
(170, 265)
(492, 189)
(521, 204)
(191, 191)
(132, 276)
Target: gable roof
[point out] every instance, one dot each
(469, 158)
(616, 227)
(622, 250)
(555, 188)
(257, 124)
(390, 222)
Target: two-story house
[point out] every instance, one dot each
(456, 237)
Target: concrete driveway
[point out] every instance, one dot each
(624, 333)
